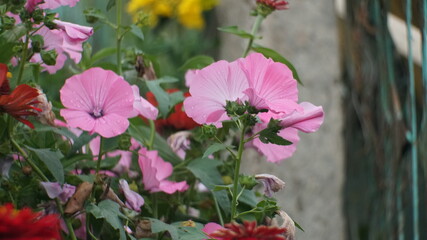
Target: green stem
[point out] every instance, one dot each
(236, 173)
(155, 205)
(29, 161)
(150, 142)
(23, 59)
(98, 164)
(254, 31)
(218, 210)
(119, 36)
(45, 179)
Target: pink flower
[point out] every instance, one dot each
(271, 84)
(264, 83)
(210, 88)
(97, 100)
(309, 120)
(143, 107)
(133, 200)
(155, 172)
(74, 35)
(212, 227)
(49, 4)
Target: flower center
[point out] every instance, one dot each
(97, 112)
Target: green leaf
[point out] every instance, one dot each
(159, 226)
(103, 53)
(166, 101)
(248, 197)
(270, 134)
(215, 148)
(82, 140)
(299, 226)
(52, 161)
(197, 62)
(9, 39)
(207, 172)
(222, 187)
(270, 53)
(59, 130)
(138, 130)
(111, 4)
(190, 233)
(137, 31)
(236, 31)
(110, 212)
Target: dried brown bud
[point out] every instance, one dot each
(46, 116)
(78, 199)
(143, 229)
(27, 170)
(144, 70)
(283, 220)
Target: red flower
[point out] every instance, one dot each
(20, 103)
(275, 4)
(177, 119)
(27, 225)
(249, 231)
(4, 83)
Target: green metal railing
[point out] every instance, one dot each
(385, 110)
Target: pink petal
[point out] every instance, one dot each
(53, 189)
(78, 119)
(269, 81)
(148, 172)
(142, 106)
(74, 31)
(210, 88)
(172, 187)
(111, 125)
(30, 5)
(133, 200)
(212, 227)
(75, 96)
(52, 4)
(307, 121)
(276, 153)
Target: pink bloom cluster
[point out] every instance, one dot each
(263, 83)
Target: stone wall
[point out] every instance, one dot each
(306, 35)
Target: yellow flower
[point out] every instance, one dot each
(188, 12)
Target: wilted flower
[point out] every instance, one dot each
(97, 100)
(249, 230)
(21, 103)
(179, 142)
(55, 190)
(271, 183)
(26, 224)
(133, 199)
(283, 220)
(46, 116)
(155, 172)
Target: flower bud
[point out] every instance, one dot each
(209, 130)
(92, 15)
(49, 57)
(37, 43)
(247, 182)
(271, 183)
(283, 220)
(38, 15)
(124, 142)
